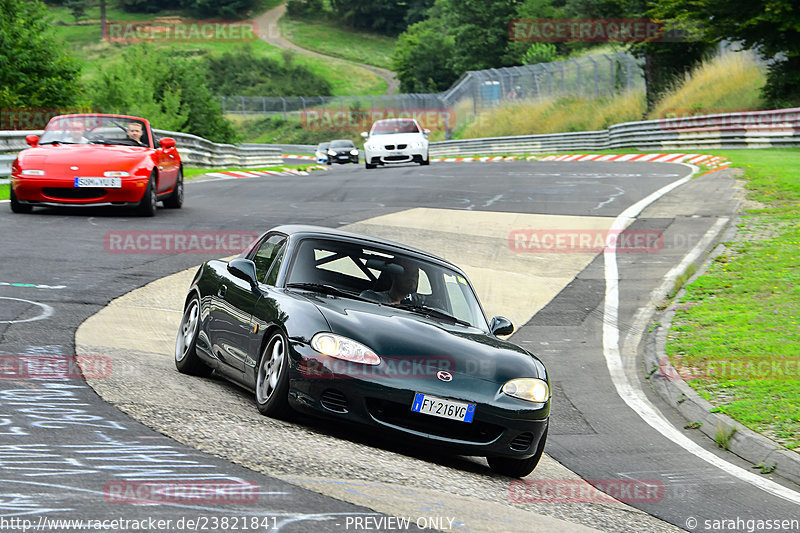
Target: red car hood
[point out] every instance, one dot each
(90, 158)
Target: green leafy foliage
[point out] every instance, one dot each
(243, 73)
(389, 17)
(540, 53)
(772, 27)
(422, 58)
(35, 71)
(170, 91)
(233, 9)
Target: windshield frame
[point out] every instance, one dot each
(428, 264)
(85, 129)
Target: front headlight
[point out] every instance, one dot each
(341, 347)
(530, 389)
(116, 174)
(353, 152)
(331, 152)
(32, 172)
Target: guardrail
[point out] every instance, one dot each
(756, 129)
(195, 151)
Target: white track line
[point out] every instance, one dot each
(632, 394)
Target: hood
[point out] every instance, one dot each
(396, 138)
(399, 335)
(89, 158)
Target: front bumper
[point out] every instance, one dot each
(395, 155)
(62, 191)
(502, 426)
(346, 157)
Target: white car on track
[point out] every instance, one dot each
(396, 140)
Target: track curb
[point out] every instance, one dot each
(667, 382)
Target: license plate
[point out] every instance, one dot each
(343, 157)
(453, 410)
(396, 153)
(108, 183)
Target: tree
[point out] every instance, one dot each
(388, 17)
(171, 92)
(34, 70)
(422, 58)
(772, 27)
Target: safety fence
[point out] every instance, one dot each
(756, 129)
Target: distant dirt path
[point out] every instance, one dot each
(268, 31)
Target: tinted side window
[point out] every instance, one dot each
(266, 253)
(276, 266)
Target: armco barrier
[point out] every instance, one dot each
(195, 151)
(755, 129)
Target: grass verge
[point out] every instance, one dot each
(326, 37)
(84, 40)
(735, 333)
(189, 173)
(4, 191)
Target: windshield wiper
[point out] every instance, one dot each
(433, 312)
(326, 289)
(57, 142)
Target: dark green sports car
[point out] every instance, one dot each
(346, 326)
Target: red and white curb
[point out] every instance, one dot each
(710, 161)
(234, 174)
(295, 156)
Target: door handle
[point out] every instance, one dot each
(222, 290)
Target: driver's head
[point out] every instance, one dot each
(407, 282)
(135, 131)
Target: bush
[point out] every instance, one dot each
(171, 92)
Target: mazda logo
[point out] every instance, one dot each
(444, 375)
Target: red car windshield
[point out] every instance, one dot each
(384, 127)
(93, 129)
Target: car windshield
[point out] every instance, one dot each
(94, 129)
(386, 127)
(342, 144)
(385, 276)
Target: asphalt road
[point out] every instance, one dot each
(56, 437)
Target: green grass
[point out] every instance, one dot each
(4, 191)
(84, 40)
(739, 323)
(189, 173)
(326, 37)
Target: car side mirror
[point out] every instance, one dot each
(364, 134)
(500, 325)
(244, 269)
(33, 140)
(426, 131)
(167, 143)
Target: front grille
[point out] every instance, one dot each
(334, 400)
(401, 415)
(521, 442)
(74, 193)
(389, 147)
(396, 158)
(401, 146)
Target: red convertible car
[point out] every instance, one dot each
(97, 159)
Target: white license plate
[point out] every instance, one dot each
(433, 405)
(396, 153)
(108, 183)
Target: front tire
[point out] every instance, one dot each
(426, 161)
(175, 201)
(507, 466)
(147, 207)
(186, 358)
(16, 206)
(272, 378)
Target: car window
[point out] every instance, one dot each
(367, 270)
(342, 144)
(387, 127)
(95, 129)
(266, 253)
(272, 277)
